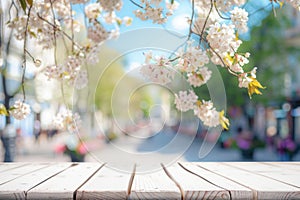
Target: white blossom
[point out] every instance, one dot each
(92, 55)
(159, 72)
(81, 79)
(207, 114)
(151, 13)
(54, 72)
(223, 41)
(92, 10)
(200, 77)
(226, 5)
(78, 1)
(111, 5)
(97, 33)
(239, 18)
(66, 120)
(20, 110)
(192, 59)
(171, 6)
(185, 101)
(155, 2)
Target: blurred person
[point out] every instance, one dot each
(37, 130)
(8, 138)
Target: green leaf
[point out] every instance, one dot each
(30, 2)
(32, 34)
(172, 1)
(3, 110)
(23, 5)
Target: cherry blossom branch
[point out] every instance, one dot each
(54, 33)
(221, 59)
(72, 26)
(205, 22)
(24, 54)
(58, 29)
(219, 13)
(136, 4)
(192, 18)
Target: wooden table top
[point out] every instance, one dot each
(185, 180)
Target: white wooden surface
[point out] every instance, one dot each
(105, 184)
(236, 190)
(262, 187)
(154, 186)
(205, 180)
(14, 173)
(20, 186)
(65, 183)
(194, 187)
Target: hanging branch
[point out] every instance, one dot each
(192, 18)
(72, 26)
(219, 13)
(205, 22)
(24, 53)
(136, 4)
(61, 31)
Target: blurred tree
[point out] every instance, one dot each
(276, 57)
(273, 54)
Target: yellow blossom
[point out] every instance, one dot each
(223, 120)
(254, 86)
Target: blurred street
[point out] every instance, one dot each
(162, 147)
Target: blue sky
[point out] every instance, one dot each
(176, 23)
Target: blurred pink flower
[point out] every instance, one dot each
(61, 148)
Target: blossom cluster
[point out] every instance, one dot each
(67, 120)
(70, 71)
(20, 110)
(218, 44)
(151, 10)
(204, 110)
(157, 69)
(215, 25)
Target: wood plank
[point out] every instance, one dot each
(287, 165)
(8, 166)
(63, 185)
(194, 187)
(107, 184)
(264, 188)
(236, 190)
(155, 185)
(276, 172)
(20, 171)
(19, 186)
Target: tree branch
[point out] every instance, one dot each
(192, 18)
(136, 4)
(205, 22)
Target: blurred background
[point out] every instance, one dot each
(265, 128)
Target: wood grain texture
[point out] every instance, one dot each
(14, 173)
(63, 185)
(105, 184)
(264, 187)
(206, 180)
(195, 187)
(19, 186)
(279, 173)
(9, 166)
(237, 191)
(154, 186)
(285, 165)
